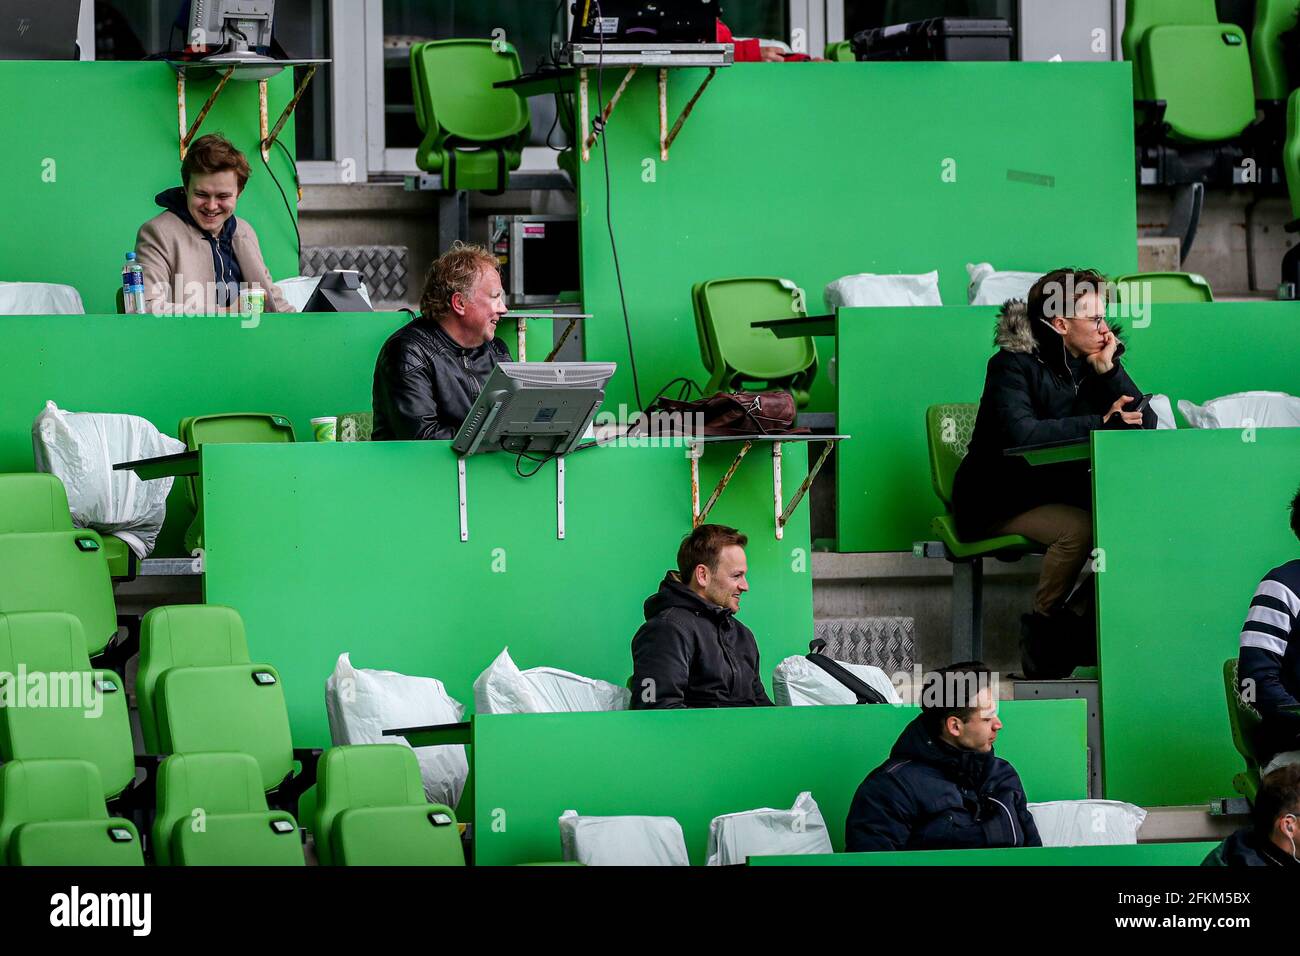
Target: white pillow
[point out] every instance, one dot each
(735, 837)
(990, 287)
(869, 289)
(1253, 409)
(622, 841)
(1087, 822)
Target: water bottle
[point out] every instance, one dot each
(128, 279)
(136, 292)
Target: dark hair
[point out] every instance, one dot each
(703, 546)
(1055, 296)
(1295, 514)
(1279, 794)
(952, 691)
(214, 153)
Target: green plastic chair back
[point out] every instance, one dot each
(1244, 721)
(363, 775)
(33, 502)
(212, 812)
(1291, 152)
(840, 52)
(52, 813)
(948, 431)
(1142, 15)
(60, 571)
(737, 353)
(1203, 75)
(1272, 19)
(63, 709)
(183, 635)
(463, 118)
(228, 428)
(234, 707)
(1165, 287)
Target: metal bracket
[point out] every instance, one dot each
(521, 330)
(559, 497)
(187, 135)
(268, 141)
(666, 137)
(783, 516)
(464, 517)
(701, 514)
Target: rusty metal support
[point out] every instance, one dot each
(784, 516)
(663, 114)
(776, 489)
(521, 338)
(605, 114)
(268, 139)
(188, 136)
(564, 337)
(686, 111)
(703, 513)
(584, 109)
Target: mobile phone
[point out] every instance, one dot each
(1142, 403)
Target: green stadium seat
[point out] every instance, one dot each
(227, 429)
(1244, 721)
(1200, 68)
(948, 430)
(52, 813)
(60, 571)
(1166, 287)
(1273, 19)
(371, 811)
(183, 635)
(473, 134)
(35, 501)
(81, 713)
(741, 356)
(212, 812)
(234, 708)
(841, 52)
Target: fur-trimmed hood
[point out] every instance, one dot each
(1015, 333)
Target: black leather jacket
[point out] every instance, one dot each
(425, 383)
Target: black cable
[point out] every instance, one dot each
(609, 211)
(683, 393)
(541, 463)
(289, 209)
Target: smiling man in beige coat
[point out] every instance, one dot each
(197, 256)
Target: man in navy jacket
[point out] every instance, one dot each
(942, 788)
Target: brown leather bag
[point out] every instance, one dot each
(735, 413)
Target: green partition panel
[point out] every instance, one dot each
(166, 367)
(356, 547)
(696, 764)
(1140, 854)
(1188, 523)
(894, 363)
(812, 172)
(90, 144)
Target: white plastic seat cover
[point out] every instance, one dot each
(39, 298)
(735, 837)
(991, 287)
(871, 290)
(798, 682)
(81, 448)
(622, 840)
(1244, 410)
(1087, 822)
(504, 689)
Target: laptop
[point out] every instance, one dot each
(39, 29)
(644, 21)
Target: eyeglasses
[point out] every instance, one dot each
(1097, 322)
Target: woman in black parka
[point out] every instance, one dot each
(1056, 377)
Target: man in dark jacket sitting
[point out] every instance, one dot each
(1272, 839)
(1055, 377)
(942, 788)
(431, 370)
(691, 651)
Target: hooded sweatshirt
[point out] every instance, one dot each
(1034, 392)
(931, 795)
(1244, 848)
(690, 653)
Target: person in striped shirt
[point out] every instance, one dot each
(1268, 663)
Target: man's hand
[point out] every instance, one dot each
(1129, 418)
(1103, 360)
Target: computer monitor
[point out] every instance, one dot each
(338, 291)
(39, 29)
(236, 27)
(535, 408)
(636, 21)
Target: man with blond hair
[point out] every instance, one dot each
(432, 369)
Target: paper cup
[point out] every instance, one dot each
(325, 429)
